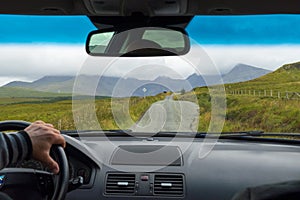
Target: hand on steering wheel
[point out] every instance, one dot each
(43, 136)
(27, 180)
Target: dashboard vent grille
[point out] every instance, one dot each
(121, 183)
(168, 184)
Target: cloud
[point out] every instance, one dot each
(39, 60)
(35, 61)
(269, 57)
(30, 62)
(144, 68)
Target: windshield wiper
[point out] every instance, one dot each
(255, 133)
(258, 134)
(261, 136)
(95, 133)
(242, 135)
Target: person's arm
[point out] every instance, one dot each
(14, 147)
(34, 142)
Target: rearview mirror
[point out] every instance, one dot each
(145, 41)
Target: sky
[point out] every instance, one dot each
(35, 46)
(267, 30)
(246, 30)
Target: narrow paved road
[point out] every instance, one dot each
(169, 115)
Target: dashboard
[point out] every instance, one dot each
(159, 168)
(139, 168)
(79, 165)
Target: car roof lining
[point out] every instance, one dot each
(187, 7)
(128, 22)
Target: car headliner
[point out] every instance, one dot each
(148, 8)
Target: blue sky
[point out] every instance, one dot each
(55, 45)
(275, 29)
(36, 29)
(246, 30)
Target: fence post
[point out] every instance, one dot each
(271, 93)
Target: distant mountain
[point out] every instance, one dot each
(123, 87)
(242, 72)
(45, 81)
(285, 78)
(21, 84)
(204, 80)
(149, 89)
(239, 73)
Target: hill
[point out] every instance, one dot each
(286, 78)
(12, 92)
(247, 111)
(242, 72)
(40, 82)
(244, 112)
(131, 86)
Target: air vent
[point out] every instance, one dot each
(168, 184)
(120, 183)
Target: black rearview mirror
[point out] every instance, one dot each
(145, 41)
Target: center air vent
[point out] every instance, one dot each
(121, 183)
(168, 184)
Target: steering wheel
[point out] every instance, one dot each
(36, 184)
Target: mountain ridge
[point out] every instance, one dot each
(284, 79)
(249, 72)
(134, 87)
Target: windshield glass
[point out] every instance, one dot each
(242, 73)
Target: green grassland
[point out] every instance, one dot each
(267, 113)
(286, 78)
(244, 112)
(248, 112)
(7, 92)
(58, 110)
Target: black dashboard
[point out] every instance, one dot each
(79, 165)
(179, 173)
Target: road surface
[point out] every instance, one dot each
(169, 115)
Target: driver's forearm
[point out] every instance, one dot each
(14, 147)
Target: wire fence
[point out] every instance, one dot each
(267, 93)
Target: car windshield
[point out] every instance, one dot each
(242, 73)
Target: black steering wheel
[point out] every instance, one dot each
(21, 183)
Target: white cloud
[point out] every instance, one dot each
(30, 62)
(147, 68)
(37, 60)
(268, 57)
